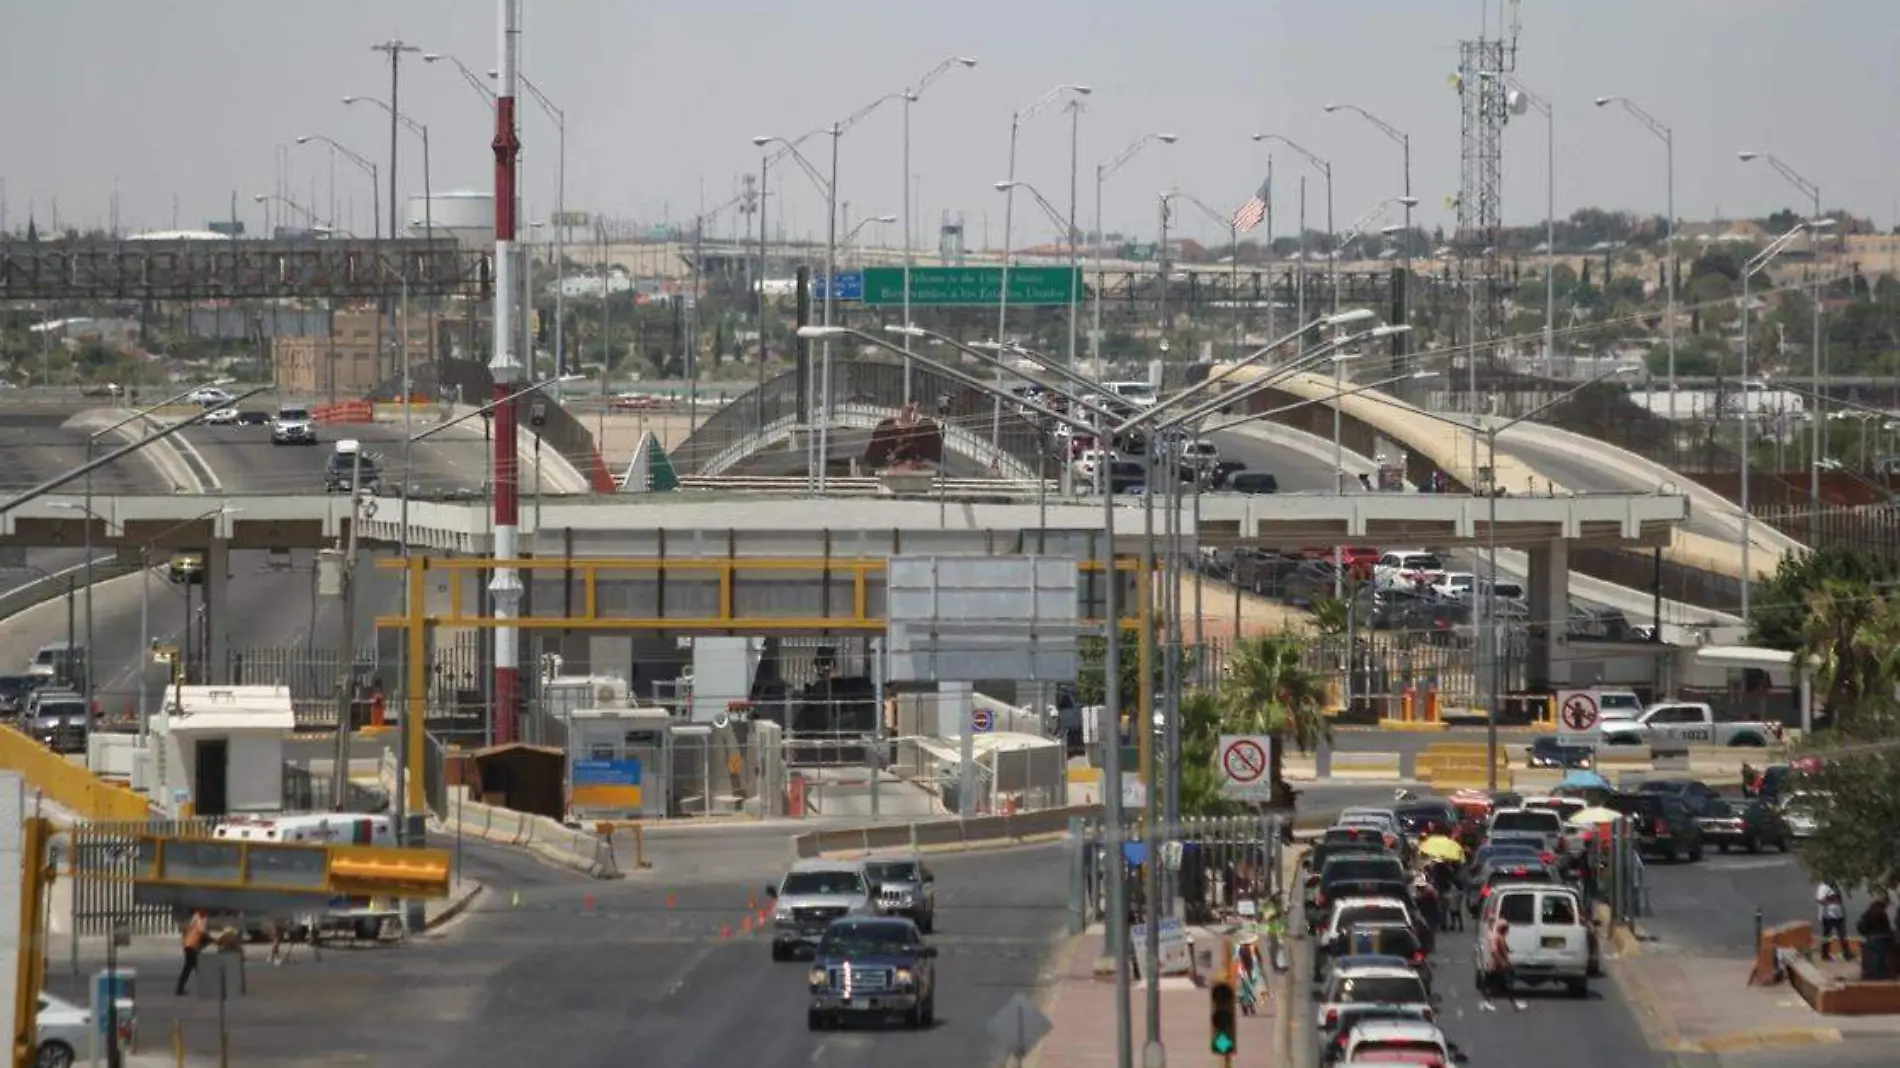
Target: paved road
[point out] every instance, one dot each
(35, 447)
(550, 970)
(1575, 470)
(1710, 907)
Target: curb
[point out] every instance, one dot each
(981, 846)
(1047, 997)
(1660, 1030)
(1779, 1038)
(455, 908)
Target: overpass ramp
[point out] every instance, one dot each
(1436, 445)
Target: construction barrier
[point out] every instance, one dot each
(69, 785)
(102, 869)
(343, 412)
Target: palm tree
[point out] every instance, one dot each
(1269, 690)
(1853, 635)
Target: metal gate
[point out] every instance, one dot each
(104, 862)
(1210, 863)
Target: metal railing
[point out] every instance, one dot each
(104, 860)
(855, 381)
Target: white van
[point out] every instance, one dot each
(1140, 393)
(1548, 940)
(324, 828)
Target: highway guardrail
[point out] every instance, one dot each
(940, 834)
(48, 587)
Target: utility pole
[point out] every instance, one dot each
(506, 368)
(394, 49)
(346, 671)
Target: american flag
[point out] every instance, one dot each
(1254, 210)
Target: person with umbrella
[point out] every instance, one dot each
(1444, 856)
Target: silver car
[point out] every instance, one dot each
(905, 886)
(810, 896)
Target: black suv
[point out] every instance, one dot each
(1665, 826)
(872, 966)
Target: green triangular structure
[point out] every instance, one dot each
(661, 477)
(651, 469)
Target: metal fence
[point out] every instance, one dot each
(1874, 529)
(105, 858)
(1212, 863)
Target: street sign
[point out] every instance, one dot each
(1019, 1026)
(1578, 717)
(1177, 956)
(850, 286)
(972, 285)
(1243, 761)
(572, 219)
(981, 722)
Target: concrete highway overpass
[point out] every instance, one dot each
(1705, 551)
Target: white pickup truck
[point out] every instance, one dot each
(1676, 725)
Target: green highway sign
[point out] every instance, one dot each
(972, 285)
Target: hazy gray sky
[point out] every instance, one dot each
(185, 101)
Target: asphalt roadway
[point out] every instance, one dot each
(548, 968)
(263, 606)
(36, 446)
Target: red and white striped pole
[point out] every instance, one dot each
(505, 366)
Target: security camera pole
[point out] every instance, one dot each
(346, 670)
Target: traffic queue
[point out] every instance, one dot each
(1517, 875)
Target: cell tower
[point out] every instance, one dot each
(1484, 107)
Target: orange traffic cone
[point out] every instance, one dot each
(746, 924)
(725, 930)
(670, 901)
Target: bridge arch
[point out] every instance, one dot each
(865, 392)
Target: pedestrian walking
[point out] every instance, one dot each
(1247, 967)
(197, 930)
(1831, 910)
(1875, 928)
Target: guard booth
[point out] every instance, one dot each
(643, 763)
(617, 763)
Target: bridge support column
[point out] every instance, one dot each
(1548, 586)
(216, 630)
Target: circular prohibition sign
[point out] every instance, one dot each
(1580, 713)
(1244, 760)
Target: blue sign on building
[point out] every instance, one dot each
(850, 286)
(607, 783)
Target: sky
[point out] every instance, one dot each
(179, 106)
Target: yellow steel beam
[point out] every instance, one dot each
(415, 710)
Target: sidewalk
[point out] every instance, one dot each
(1695, 1003)
(1082, 1008)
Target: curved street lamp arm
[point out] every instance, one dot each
(1320, 163)
(1385, 127)
(1654, 124)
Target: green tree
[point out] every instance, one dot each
(1268, 689)
(1200, 736)
(1853, 636)
(1093, 656)
(1778, 620)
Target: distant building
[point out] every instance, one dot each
(357, 355)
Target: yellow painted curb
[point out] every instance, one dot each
(1414, 726)
(980, 846)
(1780, 1038)
(1085, 776)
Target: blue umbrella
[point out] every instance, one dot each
(1583, 779)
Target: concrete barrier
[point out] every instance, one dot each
(1380, 766)
(573, 848)
(946, 835)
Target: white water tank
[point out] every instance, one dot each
(467, 217)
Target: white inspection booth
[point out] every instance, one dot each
(220, 749)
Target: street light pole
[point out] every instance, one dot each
(1404, 141)
(364, 164)
(1749, 270)
(1102, 171)
(1016, 121)
(1668, 137)
(910, 97)
(1816, 446)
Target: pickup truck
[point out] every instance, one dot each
(1676, 725)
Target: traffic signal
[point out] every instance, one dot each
(1224, 1041)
